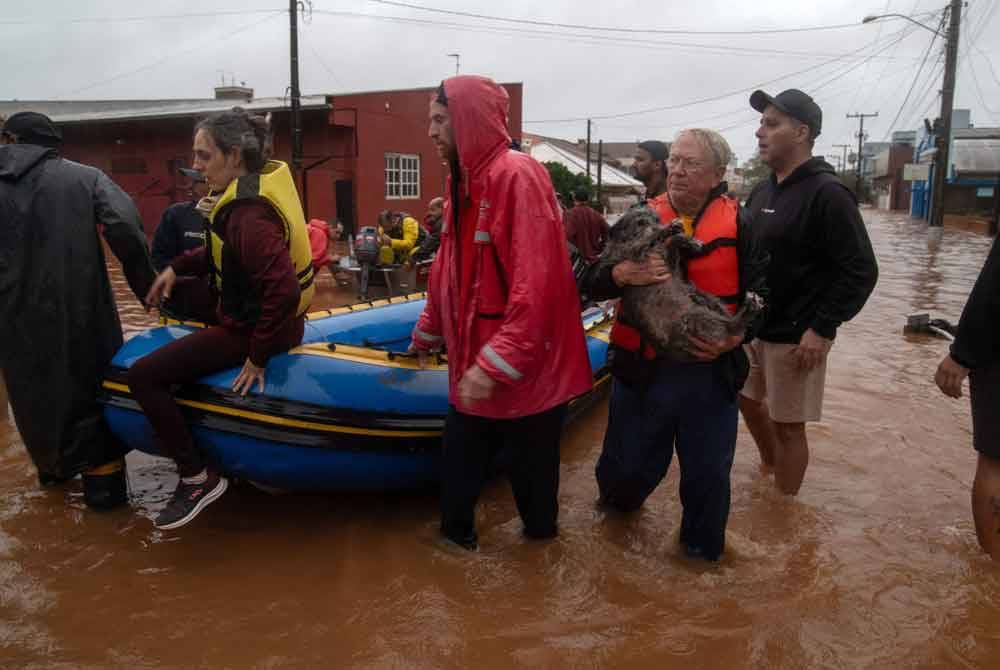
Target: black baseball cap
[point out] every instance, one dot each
(192, 174)
(795, 104)
(33, 128)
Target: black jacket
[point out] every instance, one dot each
(595, 283)
(60, 326)
(822, 266)
(181, 229)
(977, 344)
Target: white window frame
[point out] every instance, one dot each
(402, 176)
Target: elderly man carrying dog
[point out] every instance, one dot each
(658, 405)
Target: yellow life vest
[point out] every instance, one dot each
(275, 185)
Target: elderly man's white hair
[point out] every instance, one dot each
(718, 147)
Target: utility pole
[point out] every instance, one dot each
(588, 148)
(861, 140)
(843, 161)
(943, 138)
(296, 121)
(600, 161)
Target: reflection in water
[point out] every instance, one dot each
(874, 565)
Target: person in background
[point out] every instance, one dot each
(659, 405)
(501, 297)
(320, 239)
(432, 219)
(821, 273)
(400, 234)
(60, 326)
(585, 228)
(182, 228)
(650, 167)
(432, 225)
(975, 354)
(265, 278)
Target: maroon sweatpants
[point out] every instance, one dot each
(185, 360)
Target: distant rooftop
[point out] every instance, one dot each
(977, 155)
(573, 157)
(977, 133)
(82, 111)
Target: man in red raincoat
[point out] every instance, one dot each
(502, 298)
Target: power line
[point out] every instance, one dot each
(583, 38)
(171, 56)
(577, 26)
(864, 76)
(919, 71)
(990, 64)
(868, 95)
(132, 19)
(702, 100)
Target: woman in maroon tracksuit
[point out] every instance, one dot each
(257, 313)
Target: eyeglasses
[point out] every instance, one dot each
(687, 164)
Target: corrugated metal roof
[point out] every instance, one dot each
(979, 156)
(80, 111)
(544, 151)
(976, 133)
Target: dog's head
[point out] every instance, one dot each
(634, 235)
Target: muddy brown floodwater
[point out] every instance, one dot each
(874, 565)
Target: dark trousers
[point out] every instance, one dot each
(183, 360)
(687, 406)
(531, 445)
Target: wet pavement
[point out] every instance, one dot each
(874, 565)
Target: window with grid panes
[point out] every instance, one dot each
(402, 176)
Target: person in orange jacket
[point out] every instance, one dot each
(501, 296)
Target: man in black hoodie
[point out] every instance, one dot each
(821, 273)
(60, 326)
(975, 354)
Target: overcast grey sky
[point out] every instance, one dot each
(63, 49)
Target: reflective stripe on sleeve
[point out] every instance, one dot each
(427, 337)
(502, 365)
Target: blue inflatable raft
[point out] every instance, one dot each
(346, 410)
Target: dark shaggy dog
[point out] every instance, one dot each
(667, 313)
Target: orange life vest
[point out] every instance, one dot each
(717, 272)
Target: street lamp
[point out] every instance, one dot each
(457, 57)
(942, 139)
(876, 17)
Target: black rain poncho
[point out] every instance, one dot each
(59, 327)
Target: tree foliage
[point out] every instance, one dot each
(565, 182)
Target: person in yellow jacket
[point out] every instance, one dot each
(400, 236)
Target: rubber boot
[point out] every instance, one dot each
(106, 487)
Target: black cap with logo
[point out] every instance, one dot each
(795, 104)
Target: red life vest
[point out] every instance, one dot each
(717, 272)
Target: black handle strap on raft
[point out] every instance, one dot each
(439, 356)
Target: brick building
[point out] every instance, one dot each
(363, 152)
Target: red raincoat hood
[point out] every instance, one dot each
(479, 109)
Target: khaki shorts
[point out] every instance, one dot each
(793, 396)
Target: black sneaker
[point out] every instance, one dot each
(190, 499)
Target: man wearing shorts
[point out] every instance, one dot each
(822, 271)
(975, 354)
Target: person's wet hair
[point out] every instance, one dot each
(442, 97)
(250, 133)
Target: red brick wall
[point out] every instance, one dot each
(139, 154)
(396, 122)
